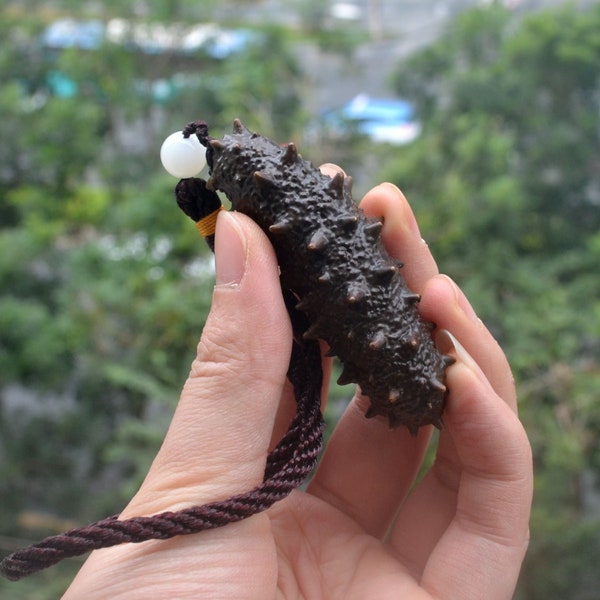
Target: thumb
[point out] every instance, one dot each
(218, 440)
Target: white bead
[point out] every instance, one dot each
(182, 157)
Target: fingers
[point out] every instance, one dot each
(400, 233)
(330, 169)
(482, 435)
(443, 303)
(367, 469)
(430, 509)
(484, 545)
(219, 436)
(217, 443)
(212, 564)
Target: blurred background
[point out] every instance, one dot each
(486, 114)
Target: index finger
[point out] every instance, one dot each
(400, 234)
(443, 303)
(346, 477)
(483, 547)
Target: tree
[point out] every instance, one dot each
(104, 284)
(505, 181)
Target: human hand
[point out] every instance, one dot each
(358, 531)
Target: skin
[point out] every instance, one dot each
(356, 532)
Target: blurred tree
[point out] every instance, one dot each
(506, 182)
(104, 284)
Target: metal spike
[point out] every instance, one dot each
(313, 332)
(238, 126)
(414, 429)
(413, 342)
(325, 277)
(349, 222)
(371, 412)
(280, 227)
(303, 304)
(377, 341)
(217, 145)
(436, 384)
(290, 155)
(355, 298)
(412, 298)
(393, 396)
(448, 360)
(374, 227)
(318, 241)
(438, 423)
(393, 419)
(264, 182)
(348, 376)
(337, 183)
(385, 273)
(354, 294)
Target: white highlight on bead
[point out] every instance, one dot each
(182, 157)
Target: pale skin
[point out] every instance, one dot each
(356, 532)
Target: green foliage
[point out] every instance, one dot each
(567, 556)
(104, 284)
(47, 585)
(250, 86)
(506, 187)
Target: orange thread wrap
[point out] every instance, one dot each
(206, 226)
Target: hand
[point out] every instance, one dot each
(358, 531)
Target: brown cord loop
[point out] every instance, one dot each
(292, 460)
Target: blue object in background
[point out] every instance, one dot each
(69, 33)
(381, 119)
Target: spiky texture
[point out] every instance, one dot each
(332, 258)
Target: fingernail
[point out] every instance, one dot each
(446, 343)
(392, 186)
(406, 216)
(230, 250)
(331, 169)
(461, 301)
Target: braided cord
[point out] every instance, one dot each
(287, 466)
